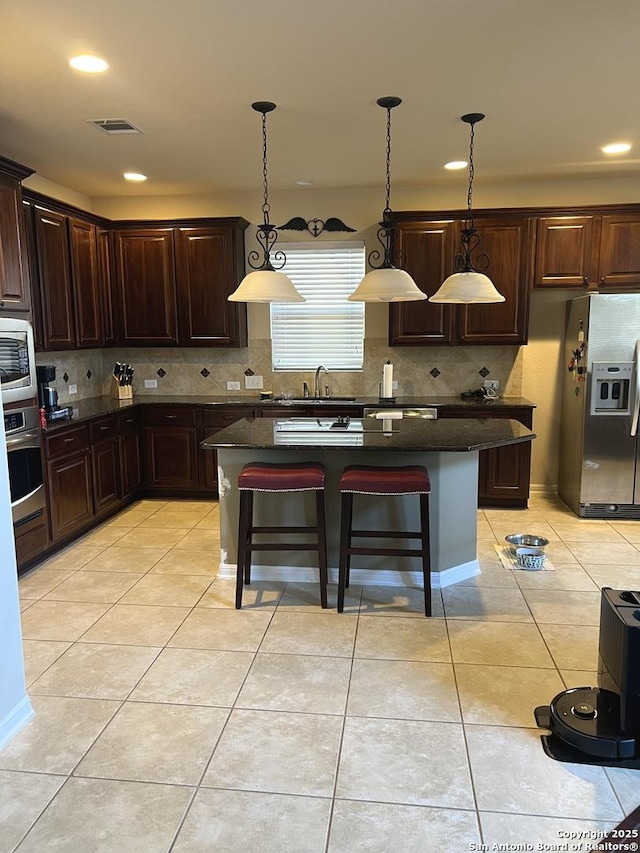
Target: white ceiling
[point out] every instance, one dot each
(556, 78)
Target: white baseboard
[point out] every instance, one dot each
(15, 720)
(377, 577)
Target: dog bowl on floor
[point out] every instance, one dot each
(531, 559)
(526, 540)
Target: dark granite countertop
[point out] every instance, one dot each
(443, 435)
(95, 407)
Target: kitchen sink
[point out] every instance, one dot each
(314, 400)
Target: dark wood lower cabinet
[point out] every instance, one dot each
(106, 475)
(171, 459)
(70, 493)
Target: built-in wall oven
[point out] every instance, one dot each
(17, 361)
(26, 482)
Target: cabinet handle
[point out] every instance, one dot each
(128, 420)
(104, 427)
(68, 440)
(585, 279)
(170, 417)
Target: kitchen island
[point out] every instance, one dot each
(448, 448)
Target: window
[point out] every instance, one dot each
(326, 329)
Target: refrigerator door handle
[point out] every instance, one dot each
(636, 398)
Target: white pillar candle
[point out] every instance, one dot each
(387, 380)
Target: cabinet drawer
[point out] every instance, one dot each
(69, 441)
(171, 416)
(104, 428)
(221, 417)
(129, 422)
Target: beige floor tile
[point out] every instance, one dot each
(96, 671)
(304, 683)
(511, 773)
(130, 559)
(305, 598)
(199, 539)
(559, 554)
(208, 628)
(22, 797)
(504, 695)
(261, 595)
(404, 761)
(493, 576)
(380, 827)
(570, 608)
(72, 558)
(199, 508)
(127, 518)
(493, 604)
(311, 634)
(178, 590)
(618, 577)
(277, 752)
(516, 517)
(579, 678)
(136, 625)
(544, 833)
(402, 639)
(194, 677)
(630, 530)
(210, 521)
(104, 536)
(616, 553)
(537, 528)
(626, 785)
(39, 655)
(59, 734)
(498, 643)
(587, 533)
(26, 603)
(188, 563)
(251, 822)
(406, 690)
(99, 587)
(484, 530)
(150, 742)
(148, 506)
(39, 582)
(572, 646)
(178, 520)
(60, 620)
(151, 538)
(397, 601)
(571, 577)
(104, 816)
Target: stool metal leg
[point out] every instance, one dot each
(322, 546)
(244, 528)
(426, 552)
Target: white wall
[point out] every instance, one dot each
(15, 708)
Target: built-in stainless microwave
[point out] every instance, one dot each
(17, 360)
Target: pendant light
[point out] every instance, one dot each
(469, 284)
(386, 283)
(266, 284)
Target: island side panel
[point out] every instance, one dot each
(453, 513)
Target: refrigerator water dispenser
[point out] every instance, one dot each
(610, 387)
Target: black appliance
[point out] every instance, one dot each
(48, 396)
(601, 725)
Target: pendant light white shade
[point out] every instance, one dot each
(266, 286)
(467, 287)
(387, 285)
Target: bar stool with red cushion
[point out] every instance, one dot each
(278, 478)
(384, 481)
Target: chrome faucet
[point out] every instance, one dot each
(316, 384)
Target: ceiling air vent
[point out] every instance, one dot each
(115, 125)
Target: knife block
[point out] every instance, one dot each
(120, 392)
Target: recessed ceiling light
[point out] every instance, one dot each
(456, 164)
(134, 176)
(616, 148)
(90, 64)
(305, 182)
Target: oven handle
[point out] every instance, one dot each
(23, 438)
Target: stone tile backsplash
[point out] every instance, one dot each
(419, 371)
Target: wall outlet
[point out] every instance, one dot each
(394, 385)
(491, 383)
(233, 386)
(253, 382)
(73, 389)
(150, 383)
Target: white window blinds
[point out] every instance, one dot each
(326, 329)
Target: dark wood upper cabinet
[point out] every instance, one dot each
(619, 262)
(14, 285)
(85, 283)
(429, 253)
(564, 254)
(506, 242)
(54, 279)
(145, 280)
(209, 264)
(103, 238)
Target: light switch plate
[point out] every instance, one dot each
(233, 386)
(73, 389)
(253, 382)
(394, 385)
(150, 383)
(491, 383)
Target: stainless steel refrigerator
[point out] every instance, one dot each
(599, 475)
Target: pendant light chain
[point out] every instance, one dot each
(387, 209)
(471, 174)
(266, 208)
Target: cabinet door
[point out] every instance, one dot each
(130, 452)
(105, 281)
(170, 457)
(106, 488)
(429, 249)
(564, 251)
(54, 274)
(206, 274)
(14, 291)
(506, 242)
(85, 282)
(620, 252)
(145, 279)
(70, 494)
